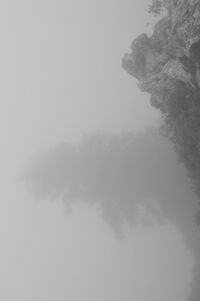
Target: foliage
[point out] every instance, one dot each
(156, 7)
(180, 106)
(160, 7)
(182, 128)
(115, 173)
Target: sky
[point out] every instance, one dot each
(61, 78)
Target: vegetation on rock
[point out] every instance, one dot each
(167, 66)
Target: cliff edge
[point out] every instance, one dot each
(167, 66)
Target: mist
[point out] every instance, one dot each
(82, 217)
(122, 175)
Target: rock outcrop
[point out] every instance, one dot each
(170, 58)
(167, 66)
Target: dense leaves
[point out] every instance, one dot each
(160, 7)
(179, 102)
(156, 7)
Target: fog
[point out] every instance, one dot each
(130, 179)
(122, 228)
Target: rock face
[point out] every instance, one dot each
(167, 66)
(170, 58)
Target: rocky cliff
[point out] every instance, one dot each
(167, 63)
(167, 66)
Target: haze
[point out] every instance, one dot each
(61, 78)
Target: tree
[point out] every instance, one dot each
(115, 172)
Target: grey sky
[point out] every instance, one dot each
(61, 76)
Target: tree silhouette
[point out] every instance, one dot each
(117, 173)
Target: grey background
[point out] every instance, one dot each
(61, 77)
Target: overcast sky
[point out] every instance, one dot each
(61, 77)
